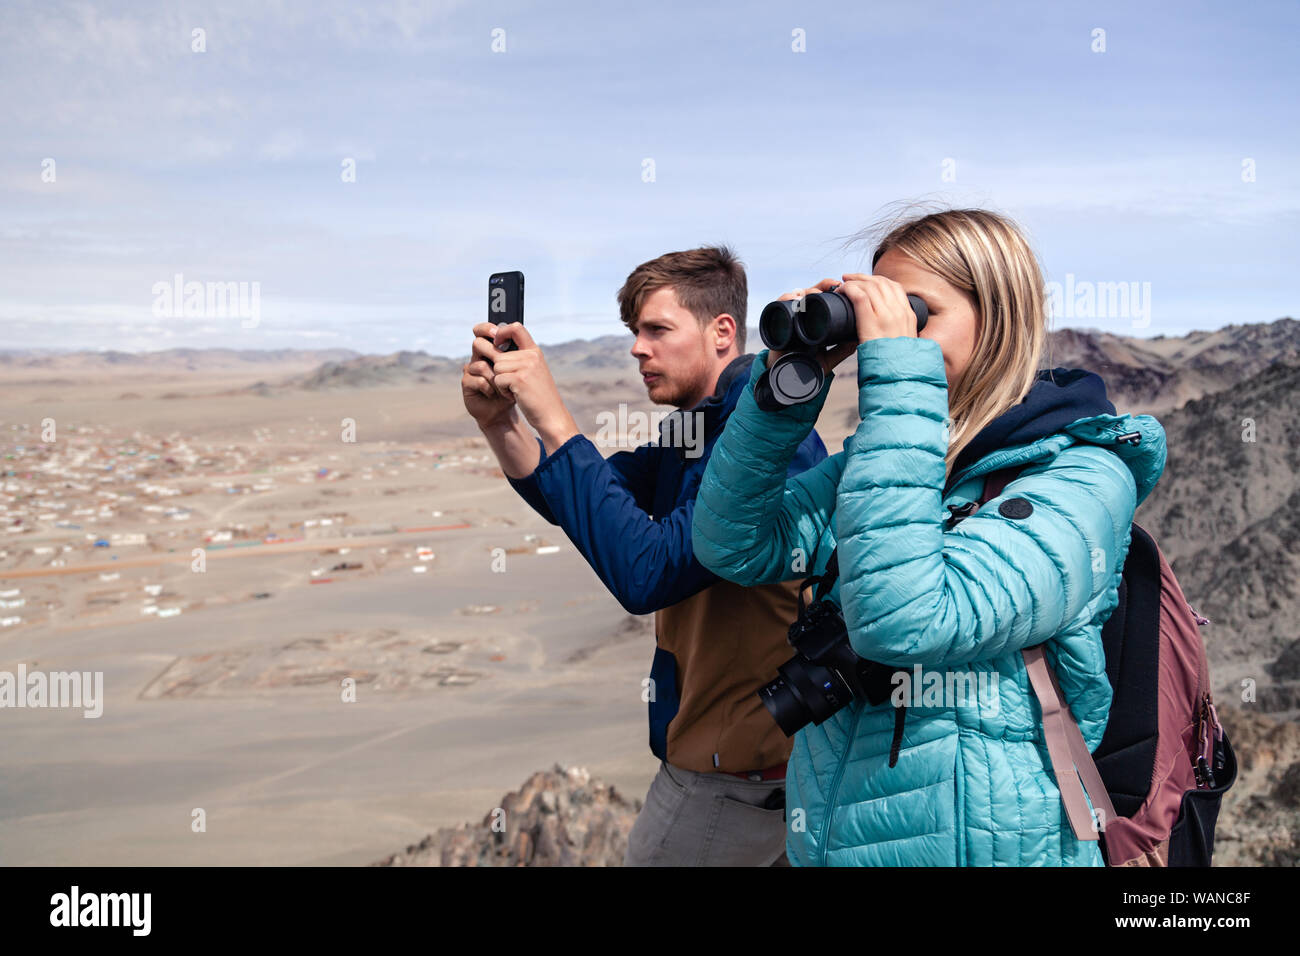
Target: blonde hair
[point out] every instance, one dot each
(986, 255)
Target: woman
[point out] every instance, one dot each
(922, 580)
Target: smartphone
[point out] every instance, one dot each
(506, 301)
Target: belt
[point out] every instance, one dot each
(771, 773)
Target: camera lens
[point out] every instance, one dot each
(784, 707)
(804, 693)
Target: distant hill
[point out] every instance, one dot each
(366, 371)
(608, 353)
(43, 363)
(1152, 375)
(1163, 373)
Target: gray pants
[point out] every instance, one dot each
(707, 819)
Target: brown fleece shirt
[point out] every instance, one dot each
(728, 640)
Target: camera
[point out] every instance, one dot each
(802, 328)
(825, 672)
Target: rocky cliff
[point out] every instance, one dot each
(560, 817)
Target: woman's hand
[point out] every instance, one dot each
(880, 306)
(830, 357)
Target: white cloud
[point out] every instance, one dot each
(283, 145)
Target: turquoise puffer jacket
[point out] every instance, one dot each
(972, 785)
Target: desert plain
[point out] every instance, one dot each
(376, 638)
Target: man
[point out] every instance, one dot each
(718, 798)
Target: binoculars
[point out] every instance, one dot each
(802, 328)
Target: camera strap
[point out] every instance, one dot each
(878, 678)
(821, 583)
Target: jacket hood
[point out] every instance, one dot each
(1072, 403)
(1057, 398)
(716, 408)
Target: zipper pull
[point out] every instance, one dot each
(1205, 739)
(959, 512)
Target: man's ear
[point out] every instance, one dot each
(724, 331)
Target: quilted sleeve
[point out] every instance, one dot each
(1008, 577)
(753, 524)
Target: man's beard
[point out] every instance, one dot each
(668, 392)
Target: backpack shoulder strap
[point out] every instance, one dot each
(1068, 752)
(1065, 744)
(996, 481)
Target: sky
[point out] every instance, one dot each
(362, 168)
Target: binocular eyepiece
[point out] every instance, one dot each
(802, 328)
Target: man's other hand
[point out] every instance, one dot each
(523, 378)
(489, 407)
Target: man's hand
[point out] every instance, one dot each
(523, 377)
(489, 408)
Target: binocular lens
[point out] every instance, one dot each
(814, 321)
(825, 319)
(776, 325)
(801, 328)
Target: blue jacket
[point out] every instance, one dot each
(972, 784)
(630, 516)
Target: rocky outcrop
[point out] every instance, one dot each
(1259, 822)
(1226, 514)
(560, 817)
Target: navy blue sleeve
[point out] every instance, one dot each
(634, 470)
(810, 452)
(528, 490)
(647, 563)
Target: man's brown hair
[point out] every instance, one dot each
(707, 282)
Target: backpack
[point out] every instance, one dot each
(1158, 777)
